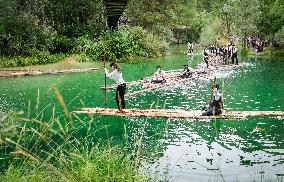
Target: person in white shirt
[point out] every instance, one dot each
(159, 76)
(202, 68)
(116, 75)
(234, 54)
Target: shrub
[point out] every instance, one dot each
(244, 51)
(124, 44)
(63, 44)
(279, 36)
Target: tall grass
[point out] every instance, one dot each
(57, 150)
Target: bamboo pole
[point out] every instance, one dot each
(105, 59)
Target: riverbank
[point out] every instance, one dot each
(68, 65)
(267, 52)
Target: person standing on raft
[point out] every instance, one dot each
(116, 75)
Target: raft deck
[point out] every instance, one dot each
(174, 113)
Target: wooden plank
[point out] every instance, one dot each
(175, 113)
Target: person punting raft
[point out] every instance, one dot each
(216, 103)
(116, 75)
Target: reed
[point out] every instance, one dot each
(53, 150)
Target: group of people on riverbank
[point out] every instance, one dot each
(215, 54)
(256, 44)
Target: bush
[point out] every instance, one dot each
(25, 36)
(124, 44)
(244, 51)
(279, 36)
(63, 44)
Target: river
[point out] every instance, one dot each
(250, 149)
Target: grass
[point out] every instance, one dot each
(109, 164)
(62, 149)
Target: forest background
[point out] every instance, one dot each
(47, 31)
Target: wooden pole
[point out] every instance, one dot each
(213, 86)
(105, 59)
(223, 87)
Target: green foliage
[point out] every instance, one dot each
(30, 28)
(240, 17)
(48, 26)
(63, 44)
(124, 44)
(211, 33)
(267, 52)
(246, 17)
(272, 17)
(273, 52)
(23, 35)
(13, 174)
(244, 51)
(40, 58)
(279, 36)
(95, 165)
(166, 19)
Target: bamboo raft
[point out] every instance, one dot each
(18, 73)
(176, 113)
(173, 77)
(170, 74)
(175, 80)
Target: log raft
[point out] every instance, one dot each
(19, 73)
(175, 113)
(171, 78)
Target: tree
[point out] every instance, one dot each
(162, 17)
(272, 17)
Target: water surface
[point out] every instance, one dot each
(177, 149)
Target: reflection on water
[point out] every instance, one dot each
(179, 149)
(194, 150)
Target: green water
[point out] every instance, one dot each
(178, 149)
